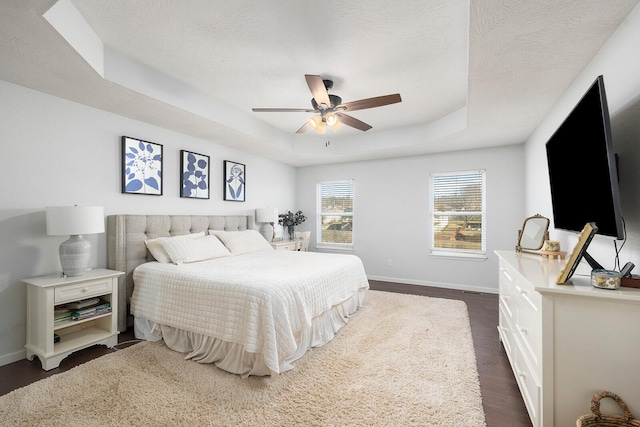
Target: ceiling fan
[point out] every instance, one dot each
(330, 109)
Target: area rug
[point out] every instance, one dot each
(401, 360)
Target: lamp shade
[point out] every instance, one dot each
(267, 215)
(74, 220)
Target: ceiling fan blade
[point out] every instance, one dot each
(282, 110)
(378, 101)
(353, 122)
(319, 92)
(304, 128)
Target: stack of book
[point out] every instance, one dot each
(83, 309)
(102, 307)
(61, 313)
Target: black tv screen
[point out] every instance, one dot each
(583, 170)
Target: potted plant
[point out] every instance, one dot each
(290, 220)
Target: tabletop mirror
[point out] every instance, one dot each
(535, 230)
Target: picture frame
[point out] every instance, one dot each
(142, 163)
(278, 232)
(235, 185)
(579, 251)
(194, 175)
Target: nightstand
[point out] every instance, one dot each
(286, 245)
(45, 293)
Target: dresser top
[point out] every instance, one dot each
(543, 272)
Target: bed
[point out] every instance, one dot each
(248, 309)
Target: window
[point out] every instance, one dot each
(334, 209)
(458, 213)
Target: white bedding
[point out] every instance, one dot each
(261, 301)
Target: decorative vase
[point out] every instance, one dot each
(292, 232)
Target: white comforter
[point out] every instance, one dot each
(261, 300)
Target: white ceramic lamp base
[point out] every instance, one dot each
(74, 256)
(266, 230)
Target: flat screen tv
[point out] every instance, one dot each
(583, 170)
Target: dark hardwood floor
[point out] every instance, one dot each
(501, 398)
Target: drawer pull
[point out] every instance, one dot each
(523, 292)
(85, 289)
(524, 330)
(522, 375)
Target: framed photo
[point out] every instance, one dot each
(235, 186)
(579, 251)
(141, 167)
(194, 175)
(278, 232)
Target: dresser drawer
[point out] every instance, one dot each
(506, 282)
(507, 303)
(529, 298)
(529, 385)
(507, 275)
(505, 330)
(528, 331)
(82, 290)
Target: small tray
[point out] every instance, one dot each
(553, 254)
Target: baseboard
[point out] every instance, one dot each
(12, 357)
(455, 286)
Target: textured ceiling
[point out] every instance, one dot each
(470, 75)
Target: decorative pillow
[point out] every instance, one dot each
(191, 250)
(243, 242)
(158, 252)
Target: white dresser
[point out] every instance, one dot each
(565, 342)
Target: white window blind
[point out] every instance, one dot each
(335, 213)
(458, 216)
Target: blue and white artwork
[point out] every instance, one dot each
(234, 181)
(141, 167)
(194, 175)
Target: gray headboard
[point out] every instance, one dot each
(126, 249)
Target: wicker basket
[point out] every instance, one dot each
(596, 419)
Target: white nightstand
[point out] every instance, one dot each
(286, 245)
(46, 292)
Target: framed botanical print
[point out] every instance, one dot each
(194, 175)
(141, 167)
(235, 186)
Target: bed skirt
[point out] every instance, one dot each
(232, 357)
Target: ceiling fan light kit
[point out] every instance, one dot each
(330, 109)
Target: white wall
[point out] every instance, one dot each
(619, 63)
(391, 212)
(55, 152)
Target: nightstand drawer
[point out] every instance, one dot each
(285, 245)
(83, 290)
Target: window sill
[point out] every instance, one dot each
(459, 257)
(334, 248)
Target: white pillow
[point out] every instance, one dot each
(243, 242)
(191, 250)
(158, 252)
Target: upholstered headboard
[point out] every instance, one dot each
(126, 249)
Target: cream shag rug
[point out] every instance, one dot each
(401, 360)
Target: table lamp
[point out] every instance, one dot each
(267, 216)
(74, 221)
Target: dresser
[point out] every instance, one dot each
(565, 342)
